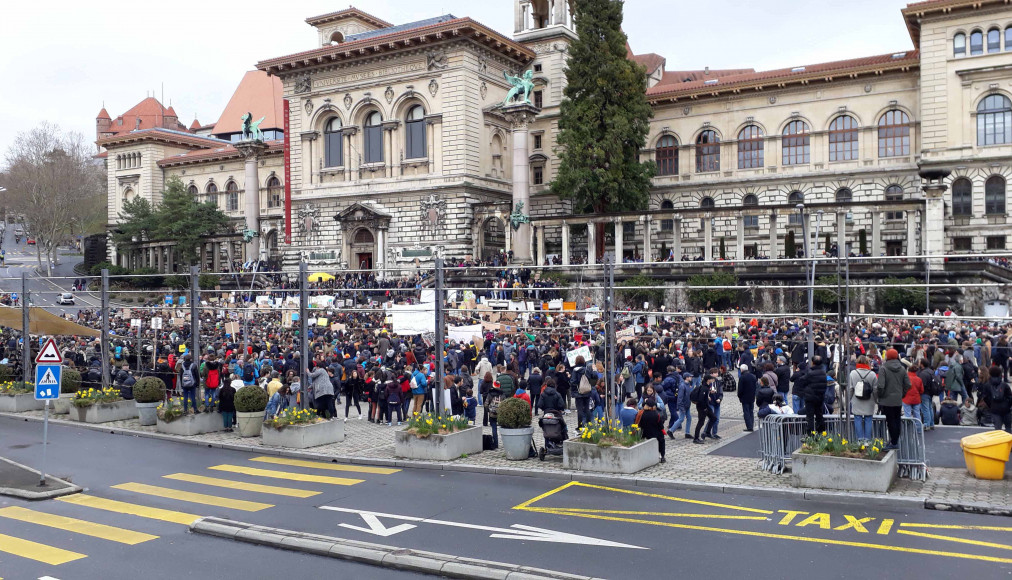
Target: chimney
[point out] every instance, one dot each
(706, 71)
(137, 123)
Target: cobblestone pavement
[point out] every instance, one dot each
(686, 462)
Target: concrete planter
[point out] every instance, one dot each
(147, 413)
(438, 447)
(118, 411)
(64, 404)
(517, 442)
(589, 457)
(249, 424)
(304, 436)
(20, 403)
(843, 473)
(189, 425)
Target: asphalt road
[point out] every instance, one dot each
(613, 532)
(22, 258)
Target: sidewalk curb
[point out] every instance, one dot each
(374, 554)
(69, 488)
(859, 499)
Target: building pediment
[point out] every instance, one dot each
(360, 213)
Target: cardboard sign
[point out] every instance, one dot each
(232, 328)
(625, 333)
(569, 306)
(583, 351)
(337, 327)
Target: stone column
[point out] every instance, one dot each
(932, 230)
(739, 248)
(251, 151)
(388, 147)
(591, 243)
(347, 133)
(542, 230)
(381, 249)
(216, 256)
(565, 244)
(648, 246)
(911, 245)
(841, 233)
(774, 250)
(520, 115)
(676, 238)
(172, 259)
(160, 259)
(559, 12)
(876, 233)
(619, 241)
(708, 239)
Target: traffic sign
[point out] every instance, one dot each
(49, 355)
(47, 382)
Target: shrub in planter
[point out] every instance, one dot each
(16, 388)
(149, 390)
(251, 400)
(292, 416)
(70, 381)
(5, 373)
(422, 425)
(514, 414)
(605, 433)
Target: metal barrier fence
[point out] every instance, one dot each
(782, 435)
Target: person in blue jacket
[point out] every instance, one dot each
(684, 406)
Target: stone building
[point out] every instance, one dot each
(399, 150)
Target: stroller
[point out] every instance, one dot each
(552, 428)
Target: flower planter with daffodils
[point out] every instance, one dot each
(830, 461)
(300, 429)
(173, 421)
(101, 406)
(435, 437)
(18, 397)
(606, 447)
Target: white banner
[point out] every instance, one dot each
(463, 334)
(583, 351)
(321, 301)
(428, 295)
(412, 318)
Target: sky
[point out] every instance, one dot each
(61, 60)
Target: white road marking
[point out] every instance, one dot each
(514, 532)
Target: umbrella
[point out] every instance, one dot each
(320, 277)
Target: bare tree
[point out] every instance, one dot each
(50, 177)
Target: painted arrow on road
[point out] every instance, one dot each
(514, 532)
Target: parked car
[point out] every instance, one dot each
(66, 298)
(30, 241)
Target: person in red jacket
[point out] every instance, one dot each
(912, 398)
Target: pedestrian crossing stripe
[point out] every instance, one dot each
(36, 551)
(326, 466)
(286, 475)
(123, 507)
(254, 487)
(212, 500)
(83, 527)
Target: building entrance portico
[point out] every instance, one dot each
(364, 236)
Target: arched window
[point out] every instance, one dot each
(793, 199)
(666, 156)
(193, 191)
(232, 196)
(707, 203)
(750, 221)
(333, 144)
(1008, 39)
(374, 138)
(844, 195)
(128, 195)
(994, 195)
(962, 197)
(994, 40)
(667, 225)
(976, 43)
(363, 236)
(894, 193)
(843, 139)
(707, 152)
(212, 193)
(273, 192)
(796, 143)
(894, 134)
(415, 132)
(959, 45)
(751, 148)
(994, 121)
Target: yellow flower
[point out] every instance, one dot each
(844, 442)
(830, 439)
(823, 433)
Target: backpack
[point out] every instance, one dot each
(187, 380)
(584, 387)
(212, 379)
(696, 396)
(119, 353)
(998, 393)
(493, 406)
(247, 373)
(626, 373)
(862, 390)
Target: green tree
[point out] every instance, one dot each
(899, 293)
(723, 249)
(827, 297)
(647, 291)
(862, 241)
(604, 119)
(790, 246)
(137, 222)
(713, 298)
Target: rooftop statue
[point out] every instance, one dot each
(524, 85)
(251, 129)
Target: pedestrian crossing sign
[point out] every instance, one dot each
(47, 382)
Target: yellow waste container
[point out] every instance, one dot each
(987, 453)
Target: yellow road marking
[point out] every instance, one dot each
(327, 466)
(38, 552)
(286, 475)
(813, 540)
(123, 507)
(664, 514)
(528, 503)
(230, 484)
(213, 500)
(955, 527)
(86, 528)
(959, 540)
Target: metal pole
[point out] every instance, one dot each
(45, 443)
(811, 291)
(194, 314)
(927, 290)
(846, 349)
(440, 334)
(26, 347)
(105, 329)
(303, 327)
(609, 341)
(140, 328)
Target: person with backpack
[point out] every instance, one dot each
(955, 383)
(492, 401)
(584, 377)
(862, 385)
(249, 373)
(700, 396)
(419, 385)
(927, 397)
(684, 404)
(747, 386)
(212, 381)
(188, 381)
(893, 383)
(912, 398)
(998, 397)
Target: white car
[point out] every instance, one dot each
(66, 298)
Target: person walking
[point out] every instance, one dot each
(226, 401)
(393, 390)
(998, 397)
(747, 386)
(352, 393)
(862, 385)
(684, 404)
(650, 424)
(893, 383)
(322, 390)
(700, 396)
(584, 378)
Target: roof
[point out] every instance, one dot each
(681, 76)
(258, 93)
(146, 114)
(170, 112)
(160, 134)
(917, 10)
(400, 28)
(222, 153)
(397, 40)
(651, 61)
(195, 125)
(347, 13)
(103, 114)
(715, 84)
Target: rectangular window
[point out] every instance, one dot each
(537, 68)
(751, 221)
(539, 100)
(539, 175)
(333, 145)
(415, 139)
(374, 144)
(964, 244)
(996, 242)
(537, 142)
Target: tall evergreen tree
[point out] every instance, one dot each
(604, 118)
